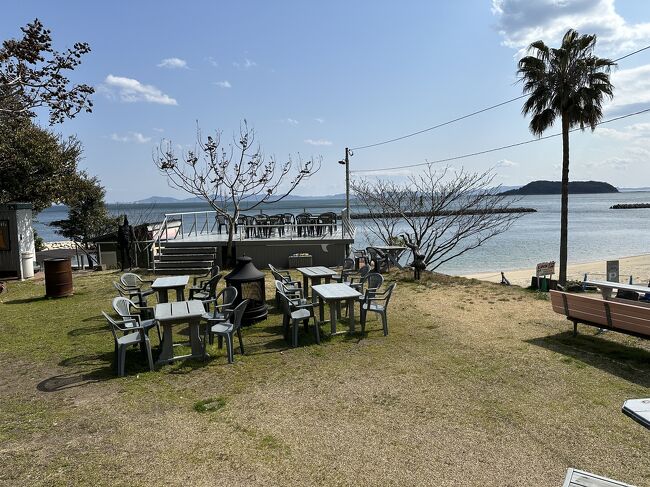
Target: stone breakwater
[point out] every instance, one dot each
(629, 206)
(469, 211)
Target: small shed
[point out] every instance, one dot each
(16, 241)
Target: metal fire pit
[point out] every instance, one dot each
(249, 281)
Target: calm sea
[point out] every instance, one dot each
(595, 231)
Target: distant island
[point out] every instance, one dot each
(555, 187)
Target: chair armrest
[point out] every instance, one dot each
(143, 307)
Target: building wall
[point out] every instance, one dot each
(21, 237)
(277, 254)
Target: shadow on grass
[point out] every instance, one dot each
(626, 362)
(28, 300)
(89, 330)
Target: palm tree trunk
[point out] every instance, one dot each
(564, 212)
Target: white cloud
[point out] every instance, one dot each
(318, 142)
(521, 22)
(159, 130)
(136, 137)
(507, 163)
(131, 90)
(245, 64)
(631, 87)
(213, 62)
(223, 84)
(292, 121)
(173, 63)
(638, 132)
(319, 120)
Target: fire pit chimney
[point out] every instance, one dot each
(249, 281)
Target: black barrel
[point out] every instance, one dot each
(58, 277)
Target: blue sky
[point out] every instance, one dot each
(313, 78)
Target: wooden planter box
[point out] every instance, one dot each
(299, 261)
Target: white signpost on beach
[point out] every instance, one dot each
(544, 269)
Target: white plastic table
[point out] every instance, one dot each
(169, 314)
(638, 410)
(315, 273)
(163, 284)
(607, 287)
(333, 294)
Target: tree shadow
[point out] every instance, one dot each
(624, 361)
(101, 328)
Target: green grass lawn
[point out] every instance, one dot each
(476, 384)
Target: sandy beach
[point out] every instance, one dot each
(637, 266)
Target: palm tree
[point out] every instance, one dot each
(569, 83)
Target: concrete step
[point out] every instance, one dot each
(188, 264)
(184, 244)
(189, 250)
(172, 257)
(179, 270)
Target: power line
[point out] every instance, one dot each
(495, 149)
(440, 124)
(469, 114)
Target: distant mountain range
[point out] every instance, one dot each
(168, 199)
(555, 187)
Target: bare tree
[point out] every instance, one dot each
(226, 177)
(445, 213)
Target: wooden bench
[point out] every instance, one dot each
(578, 478)
(630, 319)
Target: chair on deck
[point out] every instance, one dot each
(303, 222)
(329, 219)
(220, 312)
(227, 329)
(276, 225)
(290, 221)
(138, 337)
(293, 315)
(377, 302)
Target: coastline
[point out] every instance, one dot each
(637, 266)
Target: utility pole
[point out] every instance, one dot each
(346, 161)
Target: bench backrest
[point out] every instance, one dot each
(609, 314)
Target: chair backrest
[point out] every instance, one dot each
(227, 295)
(280, 275)
(285, 302)
(348, 264)
(289, 218)
(122, 306)
(238, 314)
(215, 270)
(364, 271)
(211, 285)
(387, 294)
(120, 289)
(129, 279)
(374, 280)
(359, 253)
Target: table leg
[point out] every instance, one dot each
(195, 339)
(314, 282)
(351, 314)
(180, 294)
(162, 295)
(305, 286)
(321, 308)
(167, 345)
(333, 316)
